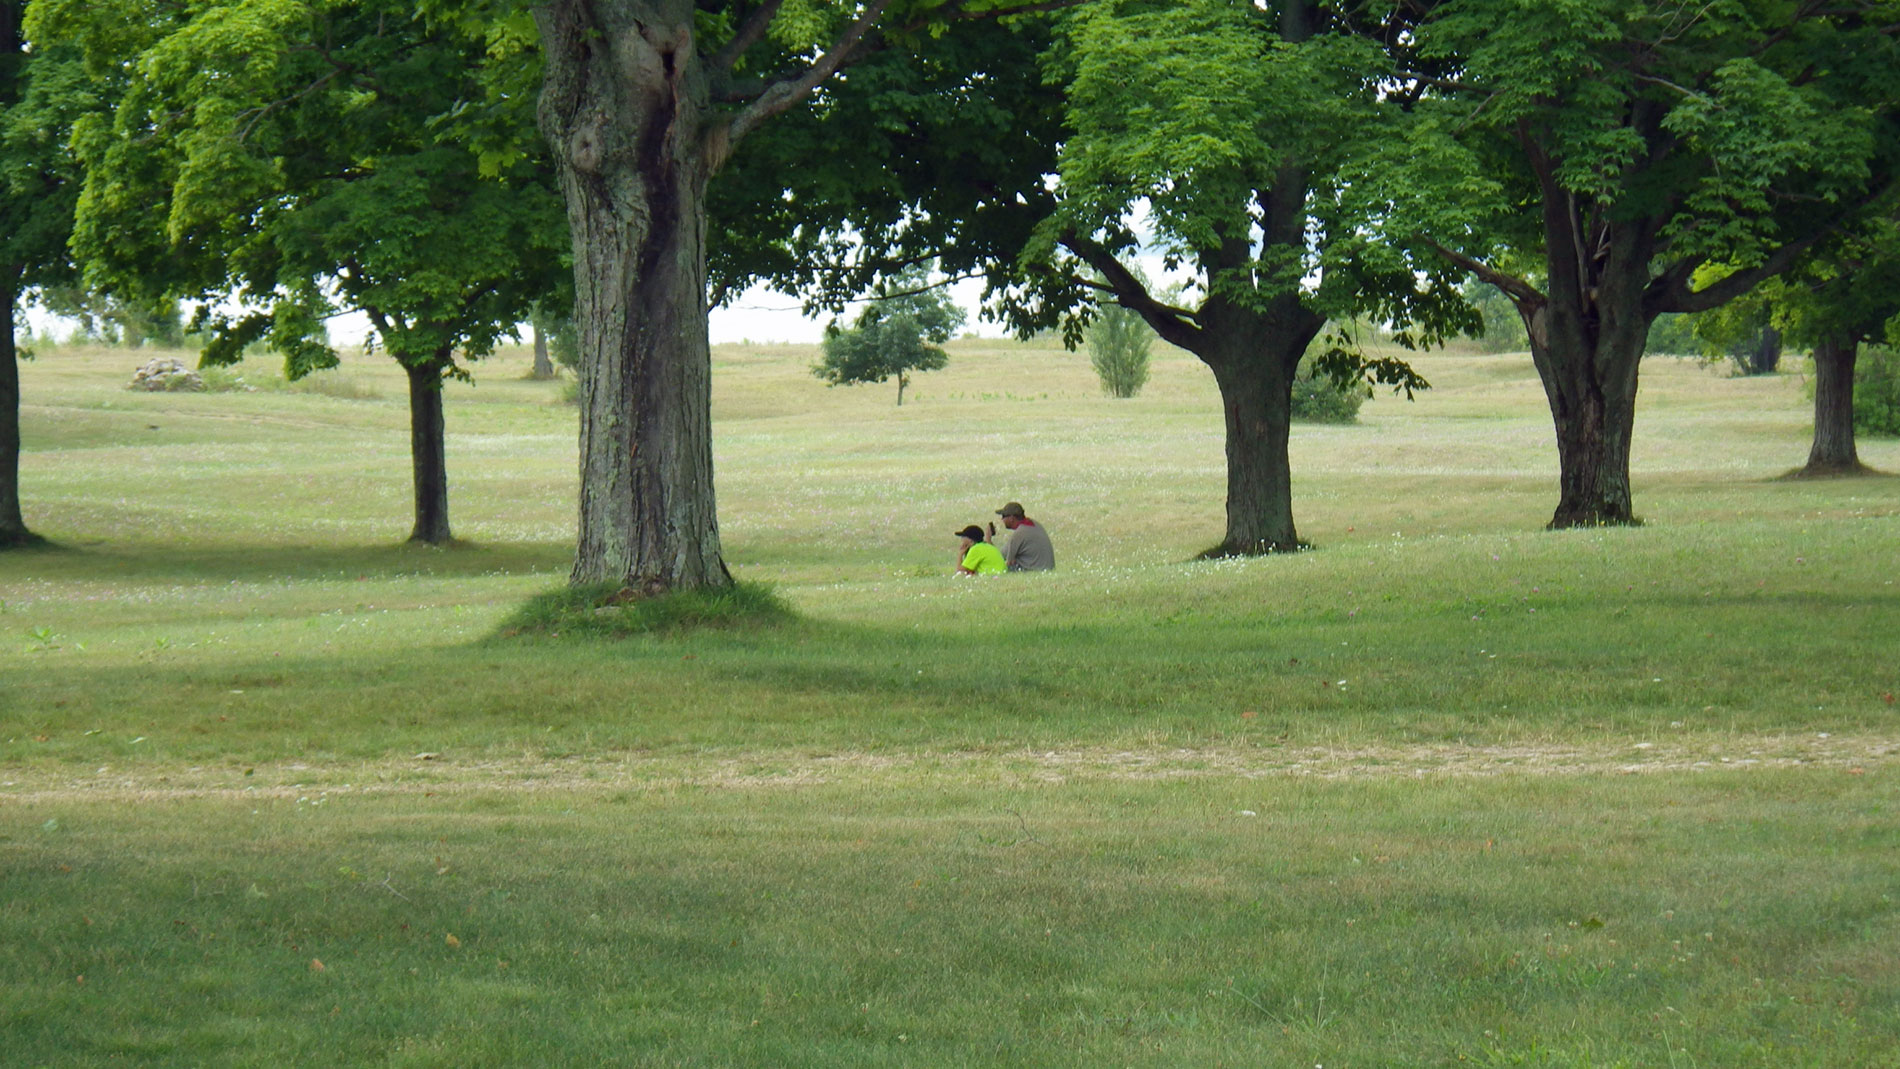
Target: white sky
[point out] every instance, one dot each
(759, 315)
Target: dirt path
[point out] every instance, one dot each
(450, 774)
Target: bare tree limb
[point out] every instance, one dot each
(780, 96)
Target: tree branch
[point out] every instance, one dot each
(1130, 293)
(748, 34)
(1519, 291)
(780, 96)
(1670, 292)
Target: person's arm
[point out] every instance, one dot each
(963, 554)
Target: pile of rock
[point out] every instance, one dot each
(165, 373)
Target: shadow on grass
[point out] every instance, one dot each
(255, 563)
(1857, 470)
(602, 611)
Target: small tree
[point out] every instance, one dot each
(1119, 340)
(894, 336)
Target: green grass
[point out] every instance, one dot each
(1448, 790)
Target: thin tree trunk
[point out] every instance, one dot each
(1833, 452)
(1766, 355)
(622, 111)
(902, 381)
(543, 365)
(13, 530)
(428, 453)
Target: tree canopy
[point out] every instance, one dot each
(1588, 157)
(1229, 131)
(311, 159)
(672, 125)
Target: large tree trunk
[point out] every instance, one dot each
(1587, 341)
(1257, 399)
(428, 453)
(1254, 358)
(622, 110)
(1593, 406)
(1833, 452)
(13, 530)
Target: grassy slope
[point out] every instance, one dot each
(214, 690)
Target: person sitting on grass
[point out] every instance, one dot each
(977, 557)
(1029, 549)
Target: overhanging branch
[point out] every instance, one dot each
(1521, 293)
(1175, 325)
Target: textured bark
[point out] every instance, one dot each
(624, 109)
(1587, 341)
(428, 453)
(13, 531)
(1593, 406)
(1833, 452)
(1254, 370)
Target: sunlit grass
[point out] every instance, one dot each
(1448, 790)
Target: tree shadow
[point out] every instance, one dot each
(105, 560)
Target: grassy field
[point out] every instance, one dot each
(277, 789)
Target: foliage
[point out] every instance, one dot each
(1743, 331)
(1119, 340)
(932, 148)
(1502, 329)
(44, 89)
(1321, 398)
(1193, 114)
(563, 338)
(308, 158)
(1877, 391)
(1620, 147)
(103, 318)
(895, 335)
(1673, 334)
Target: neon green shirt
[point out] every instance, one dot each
(984, 559)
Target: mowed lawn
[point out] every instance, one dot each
(1451, 789)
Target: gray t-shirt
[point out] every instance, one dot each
(1029, 549)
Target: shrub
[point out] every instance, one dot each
(1319, 399)
(1877, 392)
(1119, 340)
